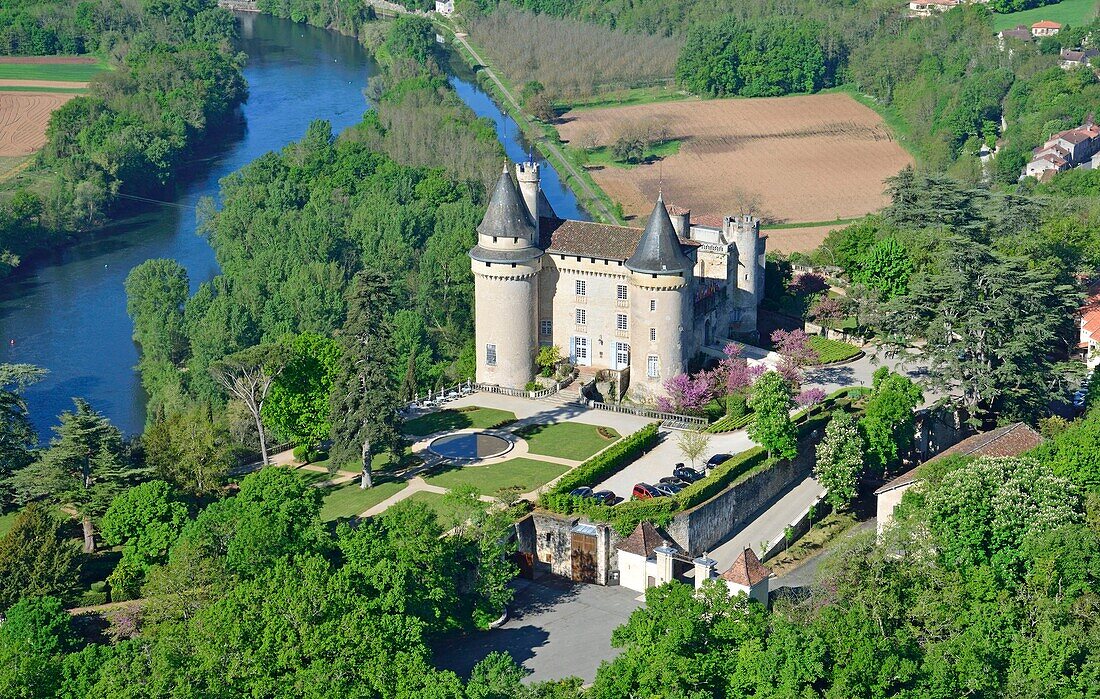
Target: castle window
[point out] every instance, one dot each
(652, 366)
(653, 334)
(582, 317)
(735, 315)
(653, 304)
(490, 355)
(620, 292)
(546, 327)
(620, 321)
(582, 287)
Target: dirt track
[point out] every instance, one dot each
(789, 159)
(43, 83)
(23, 119)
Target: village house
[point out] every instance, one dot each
(445, 7)
(1065, 150)
(1010, 440)
(926, 8)
(1045, 27)
(1090, 328)
(1069, 59)
(640, 304)
(1019, 33)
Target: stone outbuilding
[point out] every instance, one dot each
(1010, 440)
(747, 575)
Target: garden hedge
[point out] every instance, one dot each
(601, 466)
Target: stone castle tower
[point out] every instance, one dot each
(506, 263)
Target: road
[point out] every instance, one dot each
(579, 180)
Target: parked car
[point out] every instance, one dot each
(717, 459)
(669, 489)
(674, 481)
(606, 497)
(688, 475)
(644, 491)
(582, 492)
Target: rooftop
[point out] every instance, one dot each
(642, 540)
(747, 570)
(1046, 24)
(587, 239)
(1010, 440)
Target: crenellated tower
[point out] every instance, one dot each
(747, 289)
(506, 263)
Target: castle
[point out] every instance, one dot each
(642, 303)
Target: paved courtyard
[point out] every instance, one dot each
(556, 629)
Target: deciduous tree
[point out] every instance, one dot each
(840, 459)
(772, 402)
(248, 376)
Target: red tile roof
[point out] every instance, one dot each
(674, 210)
(642, 540)
(1010, 440)
(747, 570)
(1046, 24)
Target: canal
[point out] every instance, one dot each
(67, 312)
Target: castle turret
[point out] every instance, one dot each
(747, 289)
(506, 262)
(660, 310)
(528, 176)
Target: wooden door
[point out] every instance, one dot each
(583, 548)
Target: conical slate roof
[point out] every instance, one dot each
(506, 216)
(658, 250)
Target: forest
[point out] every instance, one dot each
(175, 72)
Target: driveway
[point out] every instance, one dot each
(659, 462)
(556, 629)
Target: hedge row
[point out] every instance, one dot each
(730, 423)
(721, 477)
(604, 464)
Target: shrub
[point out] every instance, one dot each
(721, 477)
(731, 423)
(533, 386)
(599, 467)
(301, 453)
(829, 351)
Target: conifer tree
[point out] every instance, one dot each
(83, 468)
(364, 398)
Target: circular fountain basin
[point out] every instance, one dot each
(472, 445)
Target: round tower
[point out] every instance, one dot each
(527, 174)
(660, 306)
(506, 263)
(749, 284)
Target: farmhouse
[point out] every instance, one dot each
(1069, 59)
(1064, 150)
(640, 303)
(1010, 440)
(1019, 33)
(926, 8)
(1090, 328)
(1045, 27)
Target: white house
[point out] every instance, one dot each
(1090, 328)
(638, 558)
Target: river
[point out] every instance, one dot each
(67, 311)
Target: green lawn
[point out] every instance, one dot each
(67, 72)
(829, 351)
(7, 522)
(23, 88)
(1072, 12)
(380, 463)
(526, 474)
(481, 418)
(444, 510)
(621, 98)
(349, 499)
(566, 440)
(603, 157)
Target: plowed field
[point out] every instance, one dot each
(23, 118)
(788, 159)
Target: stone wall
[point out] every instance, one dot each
(705, 526)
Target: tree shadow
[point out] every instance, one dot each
(841, 375)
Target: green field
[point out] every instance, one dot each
(75, 72)
(480, 418)
(566, 440)
(22, 88)
(349, 499)
(1072, 12)
(603, 157)
(525, 474)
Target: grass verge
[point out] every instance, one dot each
(820, 536)
(567, 440)
(829, 351)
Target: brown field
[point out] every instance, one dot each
(803, 239)
(788, 159)
(23, 118)
(54, 60)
